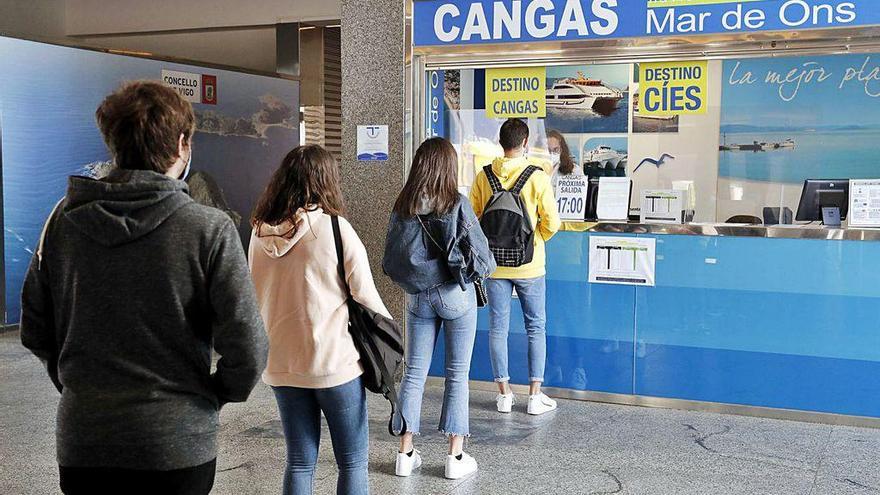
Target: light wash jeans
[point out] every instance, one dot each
(532, 295)
(345, 408)
(456, 311)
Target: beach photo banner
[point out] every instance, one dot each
(461, 22)
(786, 120)
(245, 125)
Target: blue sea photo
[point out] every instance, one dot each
(789, 119)
(48, 97)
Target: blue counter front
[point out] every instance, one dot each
(754, 321)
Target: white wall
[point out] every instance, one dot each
(90, 17)
(32, 18)
(695, 148)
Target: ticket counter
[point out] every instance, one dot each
(776, 320)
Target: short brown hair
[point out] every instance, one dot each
(513, 133)
(308, 177)
(142, 122)
(433, 178)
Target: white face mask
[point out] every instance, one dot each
(555, 159)
(189, 161)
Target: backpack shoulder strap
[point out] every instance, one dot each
(42, 244)
(494, 183)
(523, 178)
(340, 257)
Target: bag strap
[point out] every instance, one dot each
(494, 183)
(523, 178)
(428, 233)
(340, 257)
(42, 244)
(391, 392)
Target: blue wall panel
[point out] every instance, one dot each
(781, 323)
(589, 328)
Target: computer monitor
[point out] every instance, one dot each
(592, 198)
(823, 193)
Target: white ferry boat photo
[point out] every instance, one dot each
(582, 93)
(756, 146)
(606, 157)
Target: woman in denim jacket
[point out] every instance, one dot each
(435, 250)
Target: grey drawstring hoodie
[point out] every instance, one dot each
(133, 286)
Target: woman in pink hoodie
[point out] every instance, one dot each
(313, 364)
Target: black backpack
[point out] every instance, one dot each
(506, 221)
(378, 339)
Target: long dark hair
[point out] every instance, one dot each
(566, 164)
(433, 177)
(308, 177)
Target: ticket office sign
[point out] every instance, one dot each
(462, 22)
(516, 93)
(673, 88)
(571, 197)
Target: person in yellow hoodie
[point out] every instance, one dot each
(527, 279)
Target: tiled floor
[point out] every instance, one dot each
(584, 448)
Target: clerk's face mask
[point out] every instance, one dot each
(186, 170)
(555, 158)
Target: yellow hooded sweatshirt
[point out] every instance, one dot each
(541, 205)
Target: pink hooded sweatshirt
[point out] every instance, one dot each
(302, 299)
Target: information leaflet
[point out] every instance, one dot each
(663, 206)
(622, 260)
(613, 201)
(864, 203)
(571, 197)
(372, 143)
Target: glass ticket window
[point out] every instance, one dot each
(761, 127)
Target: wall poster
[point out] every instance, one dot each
(245, 125)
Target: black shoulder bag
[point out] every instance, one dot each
(378, 339)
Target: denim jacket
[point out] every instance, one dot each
(416, 263)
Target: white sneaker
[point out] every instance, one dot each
(505, 402)
(459, 468)
(406, 463)
(540, 404)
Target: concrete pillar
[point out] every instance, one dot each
(373, 93)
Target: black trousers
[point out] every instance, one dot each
(196, 480)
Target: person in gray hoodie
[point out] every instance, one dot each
(132, 287)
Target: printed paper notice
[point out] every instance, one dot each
(864, 203)
(613, 202)
(622, 260)
(372, 143)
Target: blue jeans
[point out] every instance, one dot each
(456, 311)
(345, 408)
(532, 295)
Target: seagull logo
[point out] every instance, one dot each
(652, 161)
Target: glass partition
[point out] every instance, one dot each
(766, 126)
